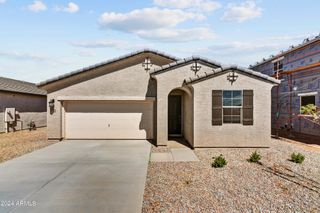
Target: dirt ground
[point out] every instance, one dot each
(15, 144)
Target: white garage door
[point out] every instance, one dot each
(108, 120)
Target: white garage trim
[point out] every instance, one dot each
(108, 119)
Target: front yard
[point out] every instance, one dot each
(275, 185)
(15, 144)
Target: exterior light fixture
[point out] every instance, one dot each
(195, 67)
(232, 77)
(147, 64)
(51, 103)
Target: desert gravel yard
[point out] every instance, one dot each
(15, 144)
(275, 185)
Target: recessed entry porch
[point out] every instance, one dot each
(180, 118)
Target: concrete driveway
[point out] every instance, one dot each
(77, 176)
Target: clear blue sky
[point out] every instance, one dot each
(43, 39)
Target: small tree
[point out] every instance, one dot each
(311, 110)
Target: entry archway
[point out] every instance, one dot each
(180, 114)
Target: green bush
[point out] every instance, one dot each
(255, 157)
(219, 162)
(297, 157)
(309, 109)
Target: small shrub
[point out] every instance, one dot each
(297, 157)
(219, 162)
(255, 157)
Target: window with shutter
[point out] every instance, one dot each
(232, 107)
(247, 107)
(217, 107)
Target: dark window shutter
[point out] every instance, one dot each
(247, 118)
(216, 107)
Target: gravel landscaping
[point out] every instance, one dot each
(15, 144)
(274, 185)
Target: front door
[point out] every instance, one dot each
(174, 115)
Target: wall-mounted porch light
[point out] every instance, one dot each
(147, 64)
(51, 106)
(51, 103)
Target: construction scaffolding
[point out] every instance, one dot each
(300, 75)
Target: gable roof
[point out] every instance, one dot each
(222, 69)
(183, 62)
(85, 69)
(12, 85)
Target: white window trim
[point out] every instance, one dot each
(278, 59)
(308, 94)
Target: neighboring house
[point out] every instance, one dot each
(299, 70)
(21, 103)
(151, 95)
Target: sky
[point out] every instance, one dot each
(43, 39)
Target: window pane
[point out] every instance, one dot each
(235, 119)
(237, 102)
(280, 66)
(227, 111)
(227, 119)
(236, 111)
(227, 102)
(227, 94)
(305, 100)
(237, 94)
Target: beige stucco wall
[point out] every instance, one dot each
(206, 135)
(132, 81)
(30, 108)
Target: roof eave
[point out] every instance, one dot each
(183, 62)
(114, 60)
(236, 68)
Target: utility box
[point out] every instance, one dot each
(10, 115)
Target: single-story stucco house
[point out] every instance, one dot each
(152, 95)
(20, 104)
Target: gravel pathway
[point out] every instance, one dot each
(275, 185)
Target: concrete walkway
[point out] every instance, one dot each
(174, 155)
(77, 176)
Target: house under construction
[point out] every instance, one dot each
(299, 70)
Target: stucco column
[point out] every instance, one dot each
(162, 116)
(54, 121)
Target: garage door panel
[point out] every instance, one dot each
(104, 120)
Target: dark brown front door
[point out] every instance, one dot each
(174, 115)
